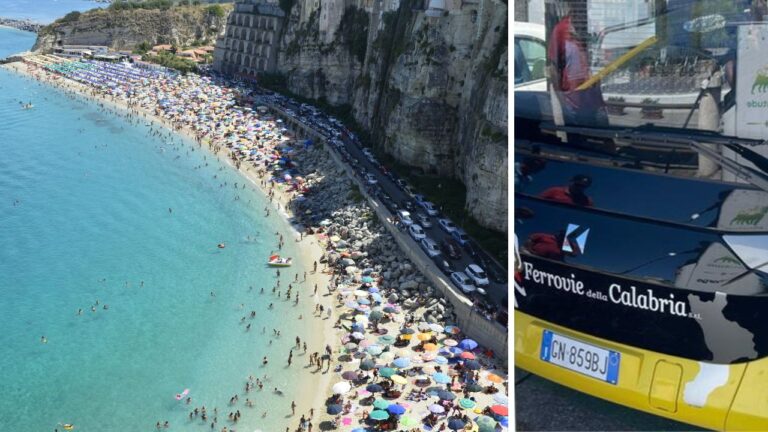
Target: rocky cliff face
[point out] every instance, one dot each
(431, 89)
(124, 29)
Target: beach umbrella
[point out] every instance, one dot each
(430, 347)
(361, 293)
(437, 328)
(455, 351)
(376, 297)
(466, 355)
(367, 279)
(350, 375)
(446, 395)
(423, 326)
(364, 301)
(441, 378)
(358, 335)
(390, 309)
(387, 372)
(467, 403)
(494, 378)
(376, 315)
(406, 421)
(501, 399)
(379, 415)
(398, 379)
(361, 318)
(485, 423)
(359, 355)
(367, 364)
(374, 388)
(472, 365)
(406, 337)
(423, 336)
(350, 347)
(341, 387)
(504, 421)
(428, 369)
(441, 360)
(450, 342)
(387, 339)
(351, 304)
(407, 330)
(396, 409)
(468, 344)
(359, 430)
(374, 350)
(380, 404)
(387, 357)
(334, 409)
(436, 409)
(429, 356)
(474, 387)
(455, 424)
(401, 362)
(502, 410)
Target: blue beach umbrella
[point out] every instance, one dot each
(363, 301)
(455, 424)
(387, 372)
(334, 409)
(446, 395)
(455, 351)
(374, 388)
(468, 344)
(440, 360)
(401, 362)
(504, 421)
(374, 350)
(501, 399)
(367, 279)
(376, 297)
(472, 365)
(441, 378)
(396, 409)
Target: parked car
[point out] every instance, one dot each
(443, 264)
(417, 232)
(477, 274)
(405, 217)
(460, 236)
(463, 282)
(450, 249)
(447, 226)
(371, 179)
(410, 206)
(409, 191)
(473, 249)
(419, 198)
(429, 208)
(423, 220)
(430, 247)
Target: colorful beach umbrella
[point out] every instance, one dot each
(437, 328)
(436, 409)
(468, 344)
(407, 330)
(441, 360)
(501, 399)
(441, 378)
(380, 404)
(387, 372)
(430, 347)
(467, 403)
(466, 355)
(379, 415)
(367, 364)
(406, 421)
(374, 388)
(494, 378)
(398, 379)
(387, 339)
(450, 343)
(341, 387)
(423, 336)
(485, 423)
(452, 329)
(350, 375)
(472, 365)
(500, 410)
(446, 395)
(455, 424)
(334, 409)
(396, 409)
(373, 350)
(474, 387)
(401, 362)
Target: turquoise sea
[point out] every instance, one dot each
(84, 217)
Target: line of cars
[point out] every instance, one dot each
(415, 213)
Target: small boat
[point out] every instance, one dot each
(276, 261)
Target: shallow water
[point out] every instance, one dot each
(84, 216)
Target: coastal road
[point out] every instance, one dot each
(497, 293)
(542, 405)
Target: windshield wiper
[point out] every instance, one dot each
(700, 141)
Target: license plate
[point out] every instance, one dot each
(580, 357)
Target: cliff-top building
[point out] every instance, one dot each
(249, 45)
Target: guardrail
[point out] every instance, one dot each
(486, 332)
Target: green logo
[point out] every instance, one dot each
(752, 216)
(727, 259)
(761, 81)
